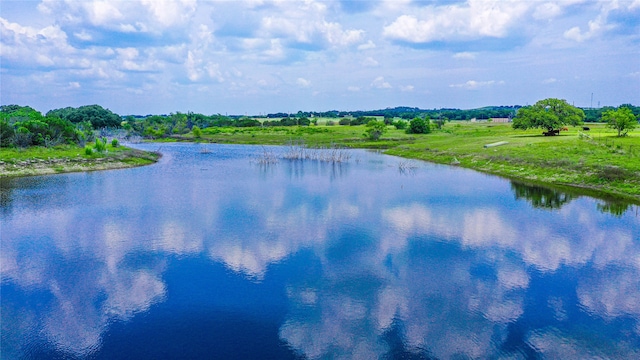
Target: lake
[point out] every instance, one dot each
(236, 252)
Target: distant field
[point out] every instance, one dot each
(594, 159)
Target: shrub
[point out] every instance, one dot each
(197, 132)
(375, 129)
(114, 143)
(419, 126)
(400, 124)
(88, 150)
(344, 121)
(101, 145)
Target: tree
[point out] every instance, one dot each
(621, 119)
(197, 132)
(419, 126)
(550, 114)
(375, 129)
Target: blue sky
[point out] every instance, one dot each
(253, 57)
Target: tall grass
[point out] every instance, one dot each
(297, 150)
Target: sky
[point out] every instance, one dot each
(257, 57)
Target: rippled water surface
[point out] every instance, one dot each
(211, 253)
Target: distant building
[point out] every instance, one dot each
(500, 120)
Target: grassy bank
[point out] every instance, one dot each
(69, 158)
(594, 159)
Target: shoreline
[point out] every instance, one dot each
(61, 165)
(133, 158)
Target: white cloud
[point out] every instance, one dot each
(596, 26)
(547, 11)
(464, 56)
(304, 23)
(83, 35)
(369, 45)
(406, 88)
(353, 88)
(31, 47)
(370, 62)
(379, 83)
(302, 82)
(123, 16)
(473, 84)
(549, 81)
(472, 20)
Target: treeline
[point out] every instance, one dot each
(595, 114)
(22, 126)
(407, 113)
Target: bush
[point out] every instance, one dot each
(419, 126)
(344, 121)
(114, 143)
(88, 150)
(197, 132)
(101, 145)
(375, 129)
(400, 124)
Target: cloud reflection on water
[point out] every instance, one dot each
(451, 277)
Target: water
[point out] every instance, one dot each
(212, 254)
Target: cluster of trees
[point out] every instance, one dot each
(23, 126)
(553, 114)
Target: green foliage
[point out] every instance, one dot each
(6, 133)
(419, 126)
(550, 114)
(197, 132)
(344, 121)
(622, 120)
(114, 143)
(98, 116)
(88, 150)
(375, 129)
(400, 124)
(100, 145)
(361, 120)
(439, 123)
(34, 129)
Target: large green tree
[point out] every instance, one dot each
(621, 119)
(550, 114)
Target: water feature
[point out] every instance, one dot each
(217, 254)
